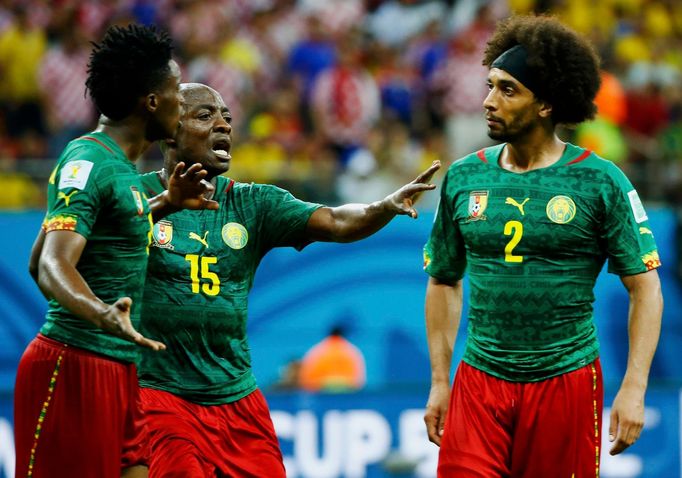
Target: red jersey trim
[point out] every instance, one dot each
(584, 155)
(90, 138)
(481, 156)
(229, 186)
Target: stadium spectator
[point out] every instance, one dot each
(205, 413)
(333, 365)
(533, 219)
(75, 406)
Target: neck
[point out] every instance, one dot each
(128, 133)
(538, 149)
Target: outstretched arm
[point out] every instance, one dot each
(186, 190)
(644, 328)
(58, 278)
(352, 222)
(443, 311)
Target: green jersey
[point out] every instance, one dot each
(96, 191)
(533, 244)
(201, 269)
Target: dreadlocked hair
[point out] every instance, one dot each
(128, 63)
(567, 66)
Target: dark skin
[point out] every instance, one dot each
(206, 129)
(516, 116)
(54, 256)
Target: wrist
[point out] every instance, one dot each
(167, 202)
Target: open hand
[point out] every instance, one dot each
(116, 321)
(627, 419)
(189, 189)
(403, 200)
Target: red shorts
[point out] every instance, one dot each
(75, 413)
(500, 429)
(188, 440)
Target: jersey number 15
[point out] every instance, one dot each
(208, 282)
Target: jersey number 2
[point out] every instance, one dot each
(211, 282)
(514, 229)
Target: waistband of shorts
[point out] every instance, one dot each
(73, 350)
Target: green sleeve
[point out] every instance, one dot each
(74, 194)
(444, 253)
(626, 235)
(284, 218)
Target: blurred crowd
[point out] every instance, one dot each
(340, 100)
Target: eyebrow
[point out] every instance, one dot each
(222, 109)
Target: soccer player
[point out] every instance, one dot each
(533, 219)
(204, 412)
(76, 387)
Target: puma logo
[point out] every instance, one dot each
(642, 230)
(65, 197)
(512, 202)
(195, 236)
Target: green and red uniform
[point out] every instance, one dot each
(69, 376)
(201, 269)
(532, 245)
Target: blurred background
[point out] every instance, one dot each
(343, 101)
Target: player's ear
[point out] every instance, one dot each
(545, 110)
(151, 102)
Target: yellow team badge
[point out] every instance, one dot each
(561, 209)
(163, 234)
(478, 201)
(651, 260)
(235, 235)
(138, 200)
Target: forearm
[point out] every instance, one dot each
(352, 222)
(644, 327)
(60, 280)
(443, 311)
(161, 206)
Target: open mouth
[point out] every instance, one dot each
(222, 149)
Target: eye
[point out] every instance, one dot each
(204, 116)
(228, 119)
(489, 84)
(509, 91)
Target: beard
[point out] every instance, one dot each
(511, 133)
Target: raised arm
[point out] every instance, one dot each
(58, 278)
(443, 311)
(644, 328)
(352, 222)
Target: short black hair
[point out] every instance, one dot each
(567, 66)
(128, 63)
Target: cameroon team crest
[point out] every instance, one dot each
(235, 235)
(163, 234)
(478, 201)
(561, 209)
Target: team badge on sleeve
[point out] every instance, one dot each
(560, 209)
(478, 201)
(637, 207)
(163, 234)
(651, 260)
(138, 200)
(235, 235)
(75, 174)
